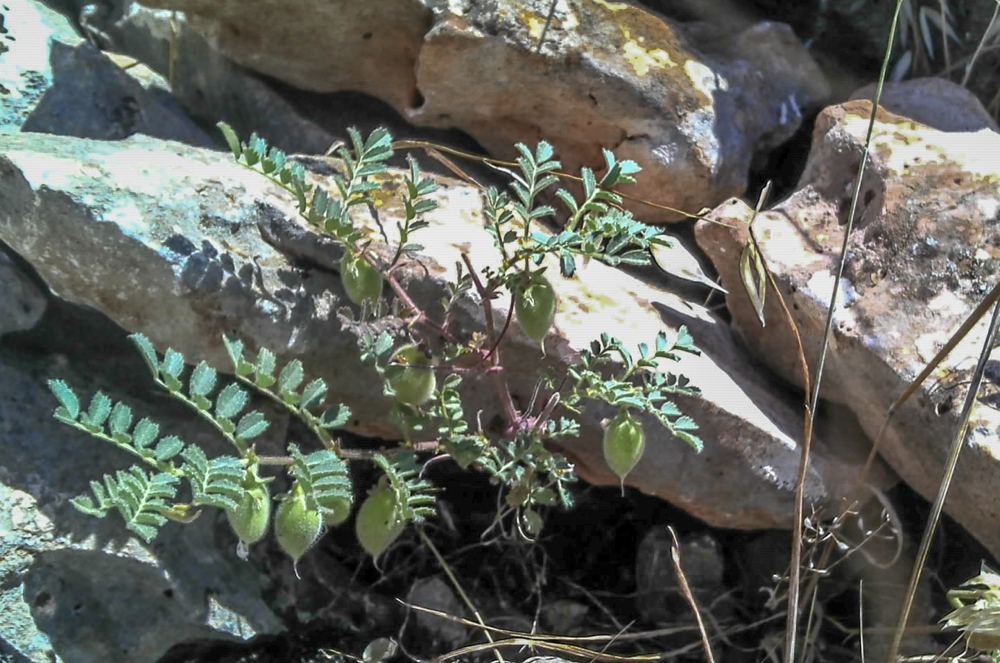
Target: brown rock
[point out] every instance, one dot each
(608, 75)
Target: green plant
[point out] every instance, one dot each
(394, 340)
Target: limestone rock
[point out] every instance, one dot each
(921, 257)
(936, 102)
(83, 588)
(30, 29)
(607, 76)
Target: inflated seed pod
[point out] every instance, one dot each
(361, 280)
(624, 442)
(252, 515)
(378, 523)
(296, 524)
(417, 382)
(535, 307)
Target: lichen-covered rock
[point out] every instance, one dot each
(921, 258)
(607, 75)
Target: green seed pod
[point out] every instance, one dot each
(296, 525)
(250, 518)
(535, 308)
(378, 523)
(339, 510)
(416, 384)
(624, 442)
(361, 280)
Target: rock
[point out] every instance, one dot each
(371, 47)
(436, 594)
(207, 264)
(660, 599)
(92, 97)
(625, 80)
(22, 302)
(25, 68)
(936, 102)
(82, 588)
(920, 259)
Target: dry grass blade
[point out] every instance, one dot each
(458, 587)
(752, 271)
(675, 557)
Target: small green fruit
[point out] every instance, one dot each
(535, 307)
(250, 518)
(624, 442)
(361, 280)
(339, 510)
(378, 523)
(416, 384)
(296, 525)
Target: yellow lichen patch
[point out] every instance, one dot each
(627, 33)
(643, 60)
(536, 23)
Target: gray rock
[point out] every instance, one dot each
(25, 69)
(92, 97)
(936, 102)
(81, 588)
(22, 302)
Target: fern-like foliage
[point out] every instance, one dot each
(412, 492)
(140, 498)
(228, 404)
(324, 478)
(112, 421)
(641, 384)
(215, 482)
(305, 402)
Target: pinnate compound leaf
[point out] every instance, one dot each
(324, 478)
(136, 495)
(215, 483)
(69, 410)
